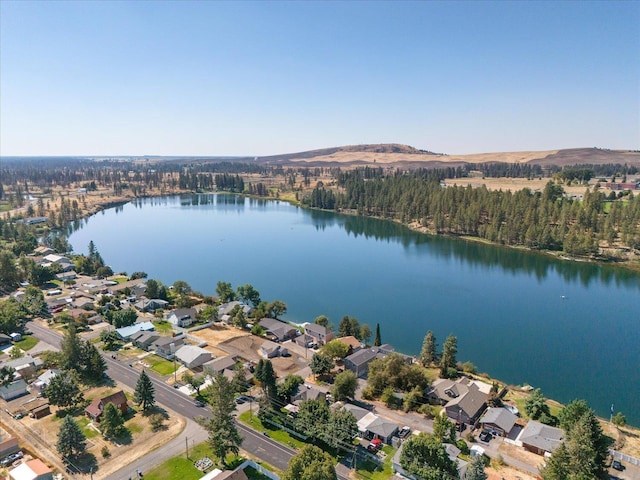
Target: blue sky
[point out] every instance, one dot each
(260, 78)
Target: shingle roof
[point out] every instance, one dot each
(541, 436)
(501, 417)
(362, 356)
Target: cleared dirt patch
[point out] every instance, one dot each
(216, 335)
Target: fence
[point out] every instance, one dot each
(625, 458)
(259, 468)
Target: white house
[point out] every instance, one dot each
(182, 317)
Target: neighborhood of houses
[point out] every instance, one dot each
(463, 400)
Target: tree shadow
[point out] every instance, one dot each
(123, 438)
(85, 463)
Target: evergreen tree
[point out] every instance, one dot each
(267, 377)
(448, 357)
(378, 340)
(63, 390)
(71, 439)
(428, 352)
(223, 433)
(92, 366)
(475, 470)
(145, 392)
(111, 422)
(71, 349)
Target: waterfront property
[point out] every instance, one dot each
(539, 438)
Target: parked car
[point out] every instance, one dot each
(11, 458)
(199, 403)
(485, 436)
(404, 432)
(617, 465)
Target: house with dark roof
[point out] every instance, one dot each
(220, 364)
(182, 317)
(163, 346)
(321, 335)
(270, 349)
(279, 331)
(144, 339)
(306, 392)
(499, 420)
(146, 305)
(468, 406)
(359, 361)
(95, 408)
(539, 438)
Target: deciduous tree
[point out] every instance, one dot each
(425, 456)
(344, 386)
(310, 463)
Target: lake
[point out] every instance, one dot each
(570, 328)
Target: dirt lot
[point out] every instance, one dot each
(514, 184)
(143, 438)
(219, 334)
(507, 473)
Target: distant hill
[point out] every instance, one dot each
(403, 156)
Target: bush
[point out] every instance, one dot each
(105, 452)
(462, 445)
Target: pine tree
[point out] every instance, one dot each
(378, 340)
(428, 352)
(112, 422)
(475, 471)
(71, 440)
(448, 358)
(144, 393)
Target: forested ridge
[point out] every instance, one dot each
(544, 220)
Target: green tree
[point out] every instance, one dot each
(310, 463)
(223, 433)
(195, 381)
(312, 418)
(322, 320)
(9, 275)
(111, 422)
(71, 349)
(122, 318)
(225, 292)
(444, 429)
(345, 327)
(277, 308)
(569, 415)
(535, 406)
(64, 390)
(110, 339)
(619, 420)
(425, 456)
(248, 294)
(475, 470)
(145, 392)
(448, 357)
(378, 340)
(33, 301)
(428, 352)
(265, 374)
(341, 429)
(344, 386)
(10, 316)
(153, 288)
(320, 364)
(288, 387)
(335, 349)
(92, 365)
(365, 333)
(71, 441)
(7, 376)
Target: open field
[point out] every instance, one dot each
(219, 334)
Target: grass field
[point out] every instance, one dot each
(370, 471)
(160, 365)
(163, 327)
(27, 343)
(278, 435)
(183, 468)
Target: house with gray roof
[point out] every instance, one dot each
(499, 419)
(167, 346)
(306, 392)
(355, 410)
(44, 379)
(146, 305)
(182, 317)
(192, 357)
(279, 331)
(270, 349)
(468, 406)
(13, 390)
(321, 335)
(144, 339)
(227, 308)
(539, 438)
(359, 361)
(220, 364)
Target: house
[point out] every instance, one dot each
(95, 408)
(135, 288)
(464, 399)
(279, 331)
(167, 346)
(320, 334)
(307, 392)
(15, 389)
(34, 469)
(220, 364)
(192, 357)
(64, 263)
(64, 276)
(4, 340)
(146, 305)
(43, 380)
(359, 361)
(83, 301)
(270, 349)
(372, 426)
(144, 339)
(227, 308)
(500, 420)
(356, 411)
(182, 317)
(42, 251)
(126, 332)
(539, 438)
(25, 367)
(9, 446)
(353, 343)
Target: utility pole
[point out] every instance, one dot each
(186, 443)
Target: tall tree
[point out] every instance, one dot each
(475, 471)
(320, 364)
(92, 365)
(378, 340)
(341, 429)
(365, 333)
(444, 429)
(64, 390)
(223, 433)
(225, 292)
(310, 463)
(145, 392)
(71, 440)
(535, 406)
(448, 358)
(267, 377)
(344, 386)
(425, 456)
(428, 352)
(9, 275)
(71, 349)
(7, 375)
(247, 293)
(111, 421)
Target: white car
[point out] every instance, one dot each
(512, 409)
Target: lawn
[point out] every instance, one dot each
(278, 435)
(160, 365)
(27, 343)
(89, 432)
(163, 327)
(370, 471)
(183, 468)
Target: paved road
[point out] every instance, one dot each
(258, 445)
